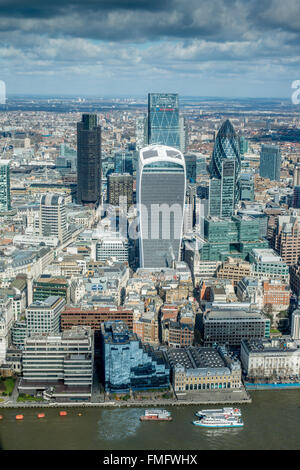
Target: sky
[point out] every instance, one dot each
(226, 48)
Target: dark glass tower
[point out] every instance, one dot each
(163, 119)
(270, 162)
(88, 160)
(225, 167)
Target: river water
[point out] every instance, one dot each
(272, 421)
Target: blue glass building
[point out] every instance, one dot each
(163, 119)
(5, 204)
(247, 187)
(124, 162)
(225, 167)
(296, 197)
(129, 364)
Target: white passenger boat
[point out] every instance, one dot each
(236, 412)
(213, 422)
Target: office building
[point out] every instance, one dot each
(243, 143)
(59, 365)
(270, 358)
(163, 119)
(225, 167)
(229, 326)
(141, 132)
(234, 269)
(267, 264)
(234, 237)
(295, 327)
(246, 187)
(120, 186)
(53, 218)
(161, 187)
(295, 279)
(191, 167)
(296, 197)
(296, 176)
(285, 237)
(128, 364)
(47, 285)
(43, 316)
(95, 316)
(88, 160)
(112, 245)
(5, 204)
(183, 134)
(124, 162)
(270, 162)
(276, 294)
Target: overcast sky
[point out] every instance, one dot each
(229, 48)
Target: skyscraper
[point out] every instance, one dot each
(225, 170)
(163, 119)
(141, 132)
(4, 186)
(88, 160)
(270, 162)
(124, 162)
(53, 218)
(161, 189)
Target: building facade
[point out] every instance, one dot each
(196, 369)
(231, 326)
(270, 358)
(88, 160)
(161, 187)
(53, 218)
(43, 316)
(270, 162)
(5, 202)
(120, 186)
(163, 119)
(225, 170)
(128, 364)
(59, 365)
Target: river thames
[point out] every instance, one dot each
(272, 421)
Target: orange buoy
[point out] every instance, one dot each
(41, 415)
(19, 417)
(63, 413)
(1, 417)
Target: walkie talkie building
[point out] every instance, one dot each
(161, 187)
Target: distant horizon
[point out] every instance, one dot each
(142, 96)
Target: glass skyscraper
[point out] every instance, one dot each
(5, 204)
(225, 170)
(124, 162)
(88, 160)
(141, 132)
(164, 126)
(161, 187)
(270, 162)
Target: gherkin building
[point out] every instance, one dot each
(225, 168)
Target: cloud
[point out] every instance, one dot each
(139, 40)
